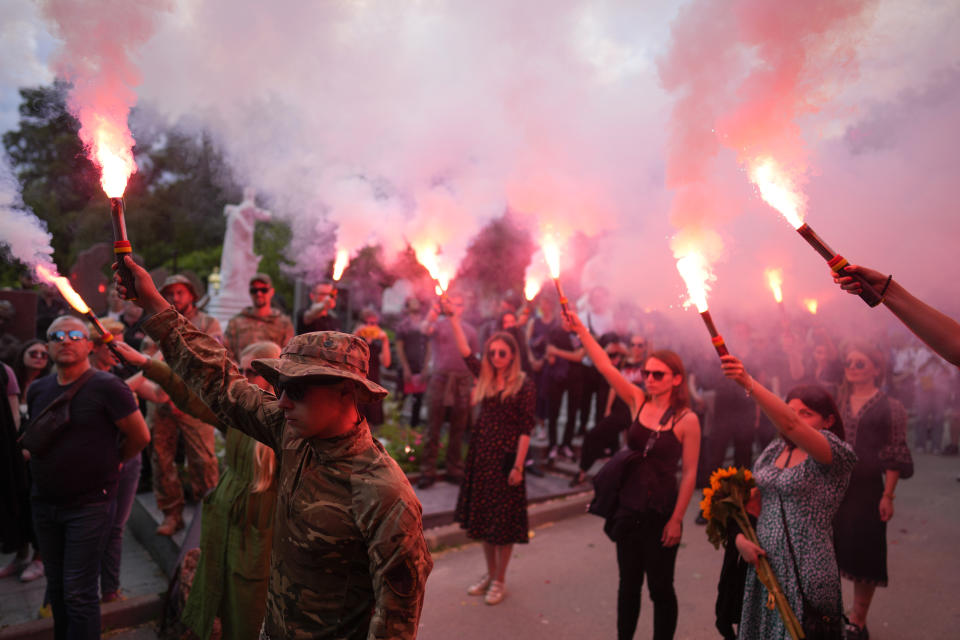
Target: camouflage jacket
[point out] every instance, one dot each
(349, 559)
(206, 323)
(247, 327)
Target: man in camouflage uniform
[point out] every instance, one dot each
(349, 559)
(167, 422)
(259, 321)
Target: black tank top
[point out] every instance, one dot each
(650, 483)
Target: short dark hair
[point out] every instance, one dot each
(820, 402)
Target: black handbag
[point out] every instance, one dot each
(817, 624)
(41, 431)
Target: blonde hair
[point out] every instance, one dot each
(264, 458)
(513, 376)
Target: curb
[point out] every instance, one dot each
(451, 535)
(115, 615)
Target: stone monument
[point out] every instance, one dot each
(238, 262)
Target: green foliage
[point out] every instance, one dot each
(271, 240)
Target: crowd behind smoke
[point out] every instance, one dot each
(391, 123)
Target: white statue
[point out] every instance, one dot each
(238, 262)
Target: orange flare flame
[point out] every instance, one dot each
(531, 288)
(112, 151)
(696, 274)
(775, 280)
(61, 283)
(343, 256)
(551, 254)
(811, 305)
(778, 189)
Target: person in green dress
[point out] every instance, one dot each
(237, 531)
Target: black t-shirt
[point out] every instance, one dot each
(82, 466)
(328, 322)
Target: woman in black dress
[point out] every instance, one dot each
(876, 427)
(492, 505)
(642, 501)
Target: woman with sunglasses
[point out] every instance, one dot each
(32, 362)
(876, 428)
(492, 505)
(646, 515)
(802, 477)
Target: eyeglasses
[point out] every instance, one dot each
(856, 364)
(255, 290)
(74, 335)
(296, 389)
(638, 345)
(43, 355)
(656, 375)
(502, 353)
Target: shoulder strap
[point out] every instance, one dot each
(67, 395)
(793, 557)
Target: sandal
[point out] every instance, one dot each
(495, 593)
(480, 588)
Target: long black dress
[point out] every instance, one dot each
(877, 434)
(488, 507)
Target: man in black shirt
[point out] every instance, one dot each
(74, 482)
(319, 315)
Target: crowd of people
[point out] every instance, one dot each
(309, 526)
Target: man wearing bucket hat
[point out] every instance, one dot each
(168, 422)
(349, 559)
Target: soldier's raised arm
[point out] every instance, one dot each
(204, 365)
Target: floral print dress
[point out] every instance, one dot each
(810, 493)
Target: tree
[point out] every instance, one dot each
(497, 259)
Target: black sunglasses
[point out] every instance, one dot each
(75, 335)
(256, 290)
(249, 373)
(503, 353)
(657, 375)
(856, 364)
(296, 389)
(43, 355)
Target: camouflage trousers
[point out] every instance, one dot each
(446, 390)
(202, 465)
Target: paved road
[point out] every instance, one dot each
(563, 584)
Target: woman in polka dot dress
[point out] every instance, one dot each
(492, 505)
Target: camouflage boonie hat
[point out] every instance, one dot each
(179, 279)
(323, 353)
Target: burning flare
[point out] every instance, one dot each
(531, 288)
(67, 291)
(811, 305)
(551, 255)
(775, 280)
(343, 257)
(112, 150)
(696, 274)
(778, 189)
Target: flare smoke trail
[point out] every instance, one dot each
(25, 235)
(95, 57)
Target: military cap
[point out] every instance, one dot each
(262, 277)
(179, 279)
(323, 353)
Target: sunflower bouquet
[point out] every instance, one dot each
(726, 498)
